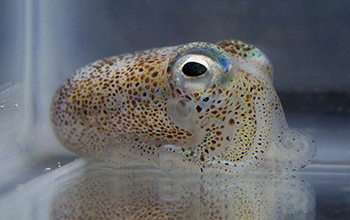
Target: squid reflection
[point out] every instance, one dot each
(140, 194)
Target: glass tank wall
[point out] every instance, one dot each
(44, 42)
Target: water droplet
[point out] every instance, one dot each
(47, 169)
(2, 107)
(59, 164)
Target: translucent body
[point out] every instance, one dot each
(221, 113)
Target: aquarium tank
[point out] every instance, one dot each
(43, 43)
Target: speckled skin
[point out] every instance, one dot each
(141, 106)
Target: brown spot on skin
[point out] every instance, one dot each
(198, 108)
(155, 74)
(231, 121)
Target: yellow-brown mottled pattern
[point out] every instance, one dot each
(247, 53)
(239, 118)
(117, 109)
(123, 95)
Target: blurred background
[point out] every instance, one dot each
(307, 41)
(44, 41)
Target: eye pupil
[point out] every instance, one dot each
(193, 69)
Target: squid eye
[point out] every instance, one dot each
(195, 72)
(193, 69)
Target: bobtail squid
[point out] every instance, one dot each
(199, 106)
